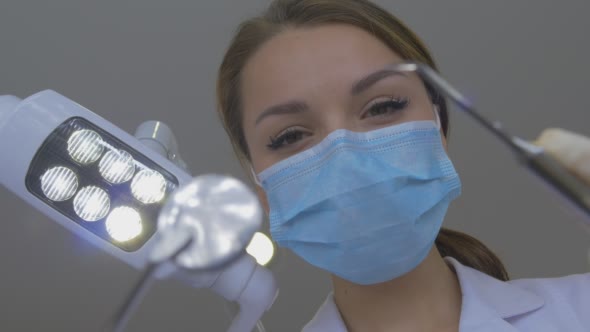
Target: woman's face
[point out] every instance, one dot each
(307, 82)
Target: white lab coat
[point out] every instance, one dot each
(491, 305)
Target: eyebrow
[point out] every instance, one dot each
(291, 107)
(296, 106)
(368, 81)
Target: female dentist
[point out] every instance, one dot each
(352, 168)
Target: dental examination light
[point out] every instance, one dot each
(132, 198)
(533, 157)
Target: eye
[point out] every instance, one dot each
(285, 138)
(386, 107)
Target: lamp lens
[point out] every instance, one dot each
(148, 186)
(91, 203)
(261, 248)
(85, 146)
(124, 224)
(117, 166)
(59, 183)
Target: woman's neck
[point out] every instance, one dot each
(427, 298)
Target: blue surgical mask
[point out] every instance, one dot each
(366, 207)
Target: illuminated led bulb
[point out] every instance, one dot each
(59, 183)
(117, 166)
(91, 203)
(148, 186)
(85, 146)
(124, 224)
(261, 248)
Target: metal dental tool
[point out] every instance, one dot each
(138, 291)
(528, 154)
(203, 230)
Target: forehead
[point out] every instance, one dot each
(302, 62)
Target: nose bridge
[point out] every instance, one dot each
(337, 116)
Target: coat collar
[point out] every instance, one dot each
(487, 303)
(486, 299)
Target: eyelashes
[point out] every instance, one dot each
(386, 107)
(287, 137)
(382, 108)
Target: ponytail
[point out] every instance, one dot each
(470, 252)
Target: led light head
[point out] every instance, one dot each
(92, 203)
(117, 166)
(148, 186)
(261, 248)
(85, 146)
(124, 224)
(59, 183)
(100, 183)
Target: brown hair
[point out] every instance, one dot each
(283, 14)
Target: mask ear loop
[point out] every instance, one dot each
(436, 110)
(254, 176)
(258, 183)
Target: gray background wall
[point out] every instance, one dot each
(524, 62)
